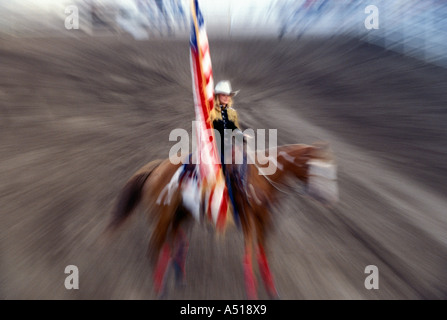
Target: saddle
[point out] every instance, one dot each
(188, 179)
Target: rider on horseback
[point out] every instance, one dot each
(225, 120)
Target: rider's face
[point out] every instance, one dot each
(224, 98)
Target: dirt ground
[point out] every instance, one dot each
(80, 115)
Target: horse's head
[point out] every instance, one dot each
(314, 165)
(322, 174)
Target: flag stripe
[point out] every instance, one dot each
(210, 170)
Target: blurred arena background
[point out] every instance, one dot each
(82, 109)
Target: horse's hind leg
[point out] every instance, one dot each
(180, 246)
(266, 274)
(160, 273)
(161, 248)
(250, 280)
(179, 258)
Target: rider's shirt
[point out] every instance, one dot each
(227, 119)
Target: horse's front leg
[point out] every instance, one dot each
(179, 258)
(164, 259)
(264, 268)
(250, 280)
(161, 247)
(266, 274)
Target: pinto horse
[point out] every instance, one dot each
(158, 187)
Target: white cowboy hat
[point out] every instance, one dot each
(224, 87)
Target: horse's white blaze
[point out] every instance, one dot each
(325, 169)
(287, 156)
(323, 180)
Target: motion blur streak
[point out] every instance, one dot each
(81, 110)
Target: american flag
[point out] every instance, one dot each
(209, 166)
